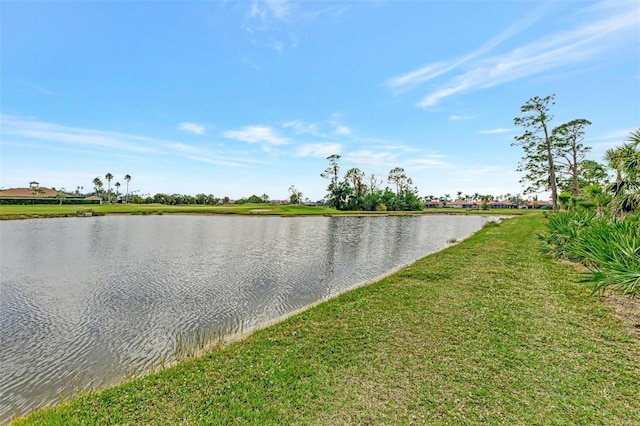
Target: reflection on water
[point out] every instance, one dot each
(84, 302)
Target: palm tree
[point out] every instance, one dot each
(128, 179)
(117, 190)
(625, 160)
(108, 177)
(97, 183)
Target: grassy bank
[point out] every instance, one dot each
(8, 212)
(487, 331)
(33, 211)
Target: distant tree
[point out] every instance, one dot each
(374, 183)
(61, 196)
(254, 199)
(97, 183)
(399, 177)
(354, 177)
(538, 160)
(128, 179)
(117, 185)
(212, 200)
(335, 198)
(332, 172)
(485, 202)
(265, 198)
(295, 196)
(567, 141)
(108, 177)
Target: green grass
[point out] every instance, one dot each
(27, 211)
(43, 211)
(488, 331)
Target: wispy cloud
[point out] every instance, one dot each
(370, 158)
(300, 127)
(461, 117)
(318, 150)
(494, 131)
(432, 162)
(43, 90)
(256, 134)
(431, 71)
(609, 140)
(217, 162)
(178, 146)
(56, 133)
(275, 24)
(600, 31)
(198, 129)
(343, 130)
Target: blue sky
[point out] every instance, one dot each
(235, 98)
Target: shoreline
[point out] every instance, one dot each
(12, 212)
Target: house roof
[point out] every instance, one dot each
(28, 193)
(461, 202)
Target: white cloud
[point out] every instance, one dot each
(255, 134)
(431, 71)
(602, 30)
(59, 134)
(217, 162)
(318, 150)
(279, 8)
(43, 90)
(182, 147)
(494, 131)
(198, 129)
(370, 158)
(433, 161)
(301, 127)
(461, 117)
(343, 130)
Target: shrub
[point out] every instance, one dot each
(608, 246)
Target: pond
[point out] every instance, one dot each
(86, 302)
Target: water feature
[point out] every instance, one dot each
(86, 302)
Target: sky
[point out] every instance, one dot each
(236, 98)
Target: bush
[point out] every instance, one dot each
(608, 246)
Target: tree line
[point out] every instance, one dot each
(108, 196)
(554, 160)
(358, 192)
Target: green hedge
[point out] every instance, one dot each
(32, 201)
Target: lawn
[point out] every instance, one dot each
(488, 331)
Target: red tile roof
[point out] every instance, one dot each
(28, 193)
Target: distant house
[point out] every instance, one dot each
(36, 194)
(462, 204)
(535, 204)
(33, 191)
(433, 204)
(93, 199)
(504, 204)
